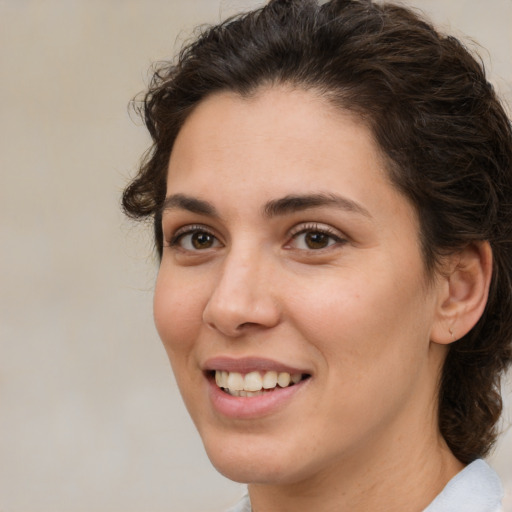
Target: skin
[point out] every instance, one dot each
(360, 314)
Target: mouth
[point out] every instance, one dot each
(254, 383)
(251, 388)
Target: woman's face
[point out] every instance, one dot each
(290, 257)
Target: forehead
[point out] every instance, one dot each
(276, 134)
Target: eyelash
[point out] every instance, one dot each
(181, 233)
(317, 228)
(334, 236)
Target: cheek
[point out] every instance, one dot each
(374, 349)
(363, 319)
(177, 309)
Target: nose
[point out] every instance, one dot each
(243, 298)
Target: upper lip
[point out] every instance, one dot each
(248, 364)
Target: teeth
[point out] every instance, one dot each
(296, 377)
(253, 383)
(235, 381)
(245, 393)
(283, 379)
(270, 380)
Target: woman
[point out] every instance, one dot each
(330, 187)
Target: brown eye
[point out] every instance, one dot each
(196, 240)
(316, 240)
(202, 240)
(313, 238)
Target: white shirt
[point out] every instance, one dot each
(477, 488)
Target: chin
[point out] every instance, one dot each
(246, 459)
(247, 472)
(255, 472)
(239, 458)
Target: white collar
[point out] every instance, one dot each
(477, 488)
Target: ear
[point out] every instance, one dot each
(463, 290)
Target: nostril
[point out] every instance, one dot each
(246, 325)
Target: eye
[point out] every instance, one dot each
(194, 239)
(314, 237)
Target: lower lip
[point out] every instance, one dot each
(238, 407)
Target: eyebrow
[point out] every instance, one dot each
(274, 208)
(294, 203)
(189, 203)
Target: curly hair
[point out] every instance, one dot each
(447, 140)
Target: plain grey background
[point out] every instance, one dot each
(90, 417)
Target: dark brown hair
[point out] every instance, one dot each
(426, 99)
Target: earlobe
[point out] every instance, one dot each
(463, 291)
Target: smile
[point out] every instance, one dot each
(252, 388)
(255, 383)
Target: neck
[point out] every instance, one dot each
(415, 460)
(362, 486)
